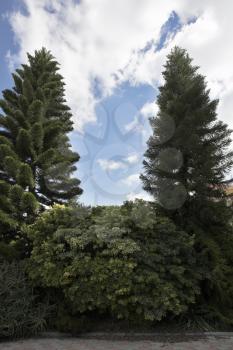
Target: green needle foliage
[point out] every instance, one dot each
(36, 161)
(188, 154)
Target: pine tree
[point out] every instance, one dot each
(36, 161)
(188, 155)
(186, 165)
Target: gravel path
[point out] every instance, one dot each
(209, 343)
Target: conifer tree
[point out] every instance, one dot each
(185, 169)
(188, 156)
(36, 161)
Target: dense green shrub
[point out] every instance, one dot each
(215, 304)
(121, 260)
(166, 261)
(20, 314)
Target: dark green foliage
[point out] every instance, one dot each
(186, 164)
(24, 144)
(68, 321)
(216, 300)
(8, 252)
(20, 313)
(187, 157)
(7, 222)
(35, 152)
(25, 177)
(29, 203)
(167, 268)
(113, 261)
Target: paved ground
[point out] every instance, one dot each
(209, 343)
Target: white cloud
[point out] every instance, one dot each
(149, 110)
(109, 165)
(134, 125)
(94, 40)
(208, 41)
(102, 40)
(132, 158)
(213, 52)
(131, 180)
(138, 124)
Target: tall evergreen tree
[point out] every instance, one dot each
(188, 155)
(36, 161)
(186, 165)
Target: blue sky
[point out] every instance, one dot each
(7, 42)
(108, 140)
(112, 66)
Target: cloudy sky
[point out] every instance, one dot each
(111, 55)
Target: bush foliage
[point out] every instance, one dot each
(20, 313)
(122, 260)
